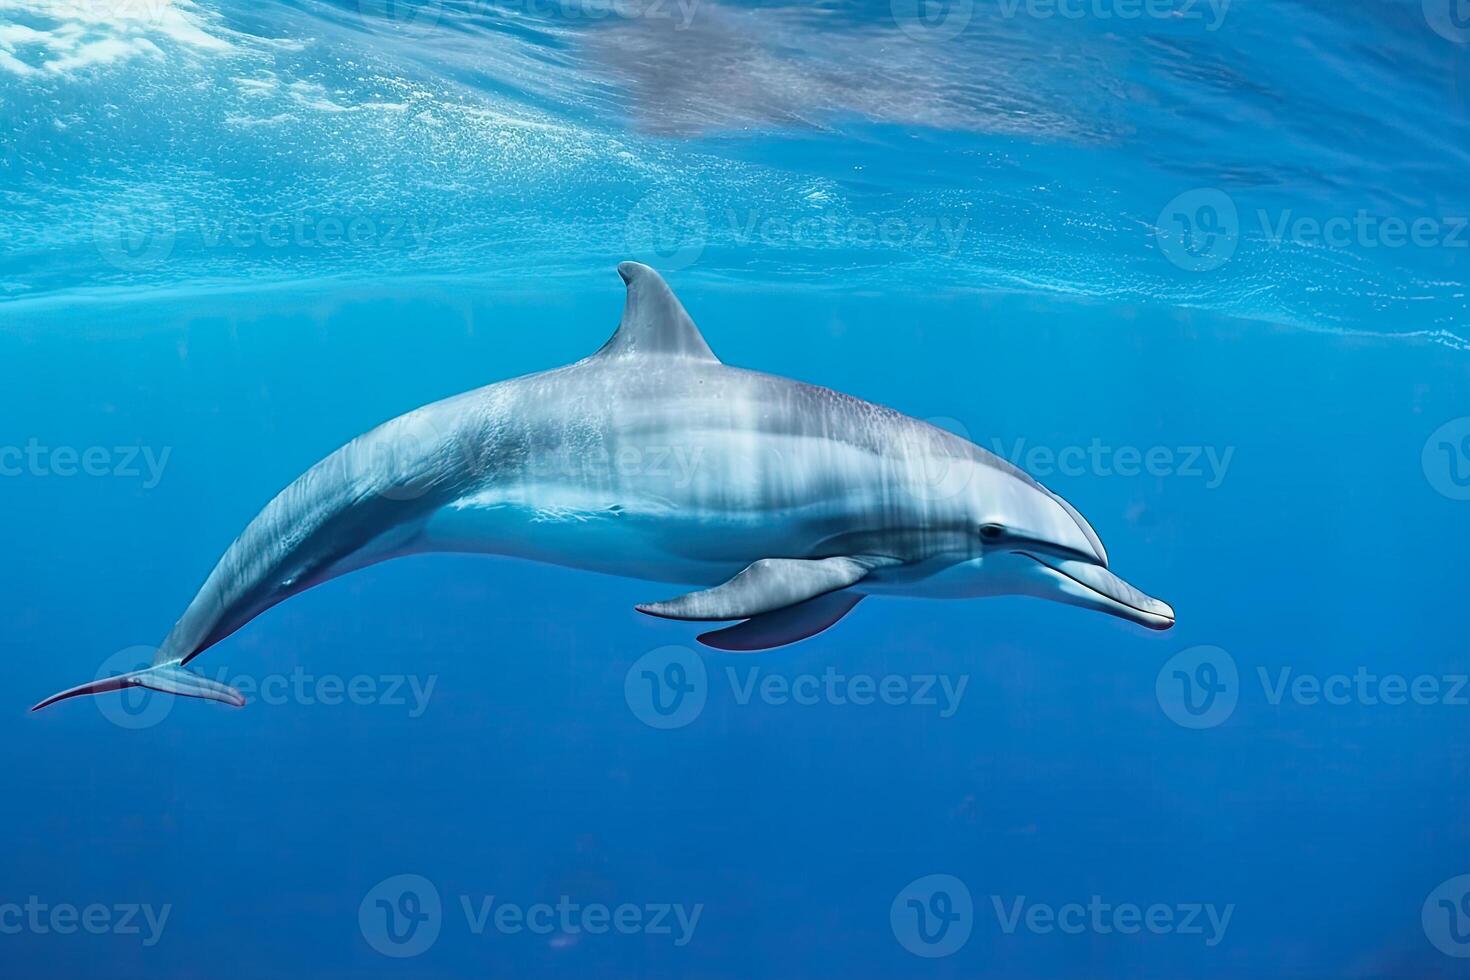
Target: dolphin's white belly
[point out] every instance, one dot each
(599, 541)
(695, 515)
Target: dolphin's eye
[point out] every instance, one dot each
(992, 532)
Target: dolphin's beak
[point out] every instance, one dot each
(1092, 585)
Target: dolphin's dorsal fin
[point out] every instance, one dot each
(654, 321)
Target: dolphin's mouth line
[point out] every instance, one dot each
(1119, 600)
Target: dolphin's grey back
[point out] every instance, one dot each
(318, 527)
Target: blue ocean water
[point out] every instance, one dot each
(1200, 267)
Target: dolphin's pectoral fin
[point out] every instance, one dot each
(784, 626)
(762, 587)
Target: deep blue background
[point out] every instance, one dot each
(1324, 548)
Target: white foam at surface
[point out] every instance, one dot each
(60, 38)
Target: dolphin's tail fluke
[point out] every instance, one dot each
(169, 678)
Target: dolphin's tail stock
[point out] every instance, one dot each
(170, 678)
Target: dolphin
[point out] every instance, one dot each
(784, 503)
